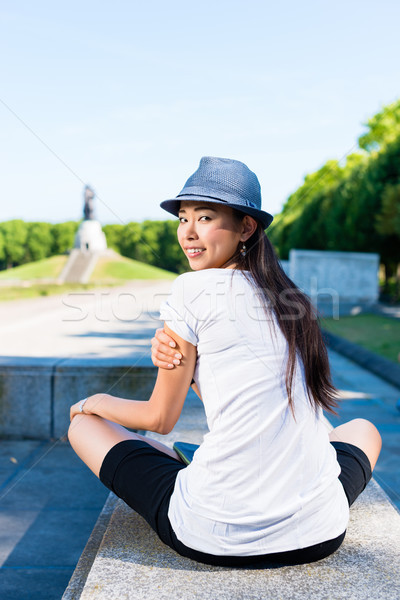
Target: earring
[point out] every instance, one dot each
(243, 250)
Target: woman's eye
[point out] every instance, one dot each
(202, 218)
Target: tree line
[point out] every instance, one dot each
(152, 242)
(22, 242)
(352, 205)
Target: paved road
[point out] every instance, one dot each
(94, 323)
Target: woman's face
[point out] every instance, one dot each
(209, 235)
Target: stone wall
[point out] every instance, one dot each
(36, 393)
(337, 282)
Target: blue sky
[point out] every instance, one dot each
(128, 95)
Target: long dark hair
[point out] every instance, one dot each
(296, 317)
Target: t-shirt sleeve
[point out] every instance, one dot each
(175, 314)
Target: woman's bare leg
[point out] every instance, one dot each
(93, 437)
(361, 433)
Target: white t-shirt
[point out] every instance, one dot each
(261, 481)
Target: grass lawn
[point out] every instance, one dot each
(42, 289)
(375, 333)
(115, 269)
(48, 268)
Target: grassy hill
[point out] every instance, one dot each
(117, 268)
(40, 278)
(48, 268)
(109, 269)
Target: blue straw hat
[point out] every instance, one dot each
(223, 181)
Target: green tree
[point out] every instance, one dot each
(383, 128)
(160, 246)
(63, 235)
(39, 241)
(2, 249)
(130, 240)
(15, 234)
(152, 242)
(383, 170)
(148, 245)
(327, 177)
(113, 235)
(343, 229)
(387, 223)
(388, 219)
(172, 256)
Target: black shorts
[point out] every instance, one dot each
(144, 478)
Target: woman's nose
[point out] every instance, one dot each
(190, 230)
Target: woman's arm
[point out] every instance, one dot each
(165, 354)
(164, 407)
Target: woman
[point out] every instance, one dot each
(267, 484)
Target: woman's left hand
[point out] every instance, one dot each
(76, 408)
(163, 350)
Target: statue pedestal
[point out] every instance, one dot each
(90, 244)
(90, 237)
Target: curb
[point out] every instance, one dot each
(78, 579)
(384, 368)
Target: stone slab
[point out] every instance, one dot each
(133, 564)
(75, 381)
(26, 400)
(352, 275)
(337, 282)
(36, 393)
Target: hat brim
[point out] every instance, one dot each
(172, 206)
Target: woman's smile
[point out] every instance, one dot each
(192, 252)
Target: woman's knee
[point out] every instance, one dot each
(367, 430)
(77, 427)
(91, 438)
(360, 433)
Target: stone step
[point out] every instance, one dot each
(79, 267)
(124, 558)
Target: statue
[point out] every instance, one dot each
(88, 209)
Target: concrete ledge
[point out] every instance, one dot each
(26, 399)
(132, 563)
(74, 380)
(36, 393)
(386, 369)
(84, 565)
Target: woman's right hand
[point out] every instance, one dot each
(163, 350)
